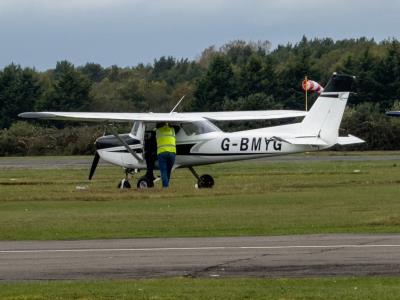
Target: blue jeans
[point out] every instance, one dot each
(165, 162)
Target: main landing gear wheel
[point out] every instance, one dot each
(203, 181)
(144, 183)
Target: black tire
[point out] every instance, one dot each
(126, 184)
(144, 183)
(205, 181)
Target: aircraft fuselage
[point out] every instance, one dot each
(210, 148)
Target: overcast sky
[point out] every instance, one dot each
(38, 33)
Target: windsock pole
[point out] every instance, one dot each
(305, 79)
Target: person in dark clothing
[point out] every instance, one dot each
(150, 155)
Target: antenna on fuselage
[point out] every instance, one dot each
(179, 102)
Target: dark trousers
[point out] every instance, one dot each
(150, 160)
(166, 161)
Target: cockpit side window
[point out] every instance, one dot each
(135, 128)
(199, 127)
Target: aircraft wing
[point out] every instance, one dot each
(166, 117)
(393, 113)
(249, 115)
(115, 117)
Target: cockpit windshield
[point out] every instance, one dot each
(199, 127)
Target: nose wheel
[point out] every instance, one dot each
(203, 181)
(124, 183)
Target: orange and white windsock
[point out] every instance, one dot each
(310, 85)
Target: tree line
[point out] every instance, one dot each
(236, 76)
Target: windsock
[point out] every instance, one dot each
(310, 85)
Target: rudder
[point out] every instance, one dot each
(325, 116)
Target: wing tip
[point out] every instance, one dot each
(35, 115)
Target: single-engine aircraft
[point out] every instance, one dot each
(200, 142)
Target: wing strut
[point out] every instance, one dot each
(130, 150)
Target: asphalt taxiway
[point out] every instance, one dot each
(278, 256)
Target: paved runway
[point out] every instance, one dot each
(280, 256)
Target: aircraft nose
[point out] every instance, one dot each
(110, 141)
(100, 143)
(107, 141)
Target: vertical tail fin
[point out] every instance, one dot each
(325, 116)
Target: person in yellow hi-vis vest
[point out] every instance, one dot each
(166, 151)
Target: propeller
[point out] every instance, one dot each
(94, 165)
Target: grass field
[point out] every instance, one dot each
(250, 198)
(182, 288)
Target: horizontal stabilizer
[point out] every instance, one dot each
(348, 140)
(307, 140)
(393, 113)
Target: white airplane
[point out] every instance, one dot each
(200, 142)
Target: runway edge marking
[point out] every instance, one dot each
(200, 248)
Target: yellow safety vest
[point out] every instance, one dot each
(166, 140)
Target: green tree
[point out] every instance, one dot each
(93, 71)
(257, 101)
(69, 91)
(367, 87)
(216, 85)
(256, 76)
(161, 66)
(132, 91)
(288, 88)
(106, 96)
(388, 76)
(238, 52)
(379, 131)
(19, 91)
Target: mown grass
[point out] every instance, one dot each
(182, 288)
(250, 198)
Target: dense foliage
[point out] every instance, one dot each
(236, 76)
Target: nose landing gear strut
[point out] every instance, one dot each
(124, 183)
